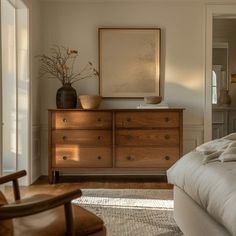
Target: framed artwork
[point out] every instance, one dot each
(129, 62)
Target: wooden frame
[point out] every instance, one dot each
(129, 62)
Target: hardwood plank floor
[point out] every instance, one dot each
(136, 182)
(67, 183)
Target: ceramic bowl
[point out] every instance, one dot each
(89, 102)
(152, 99)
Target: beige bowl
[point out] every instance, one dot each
(152, 99)
(89, 102)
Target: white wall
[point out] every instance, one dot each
(75, 24)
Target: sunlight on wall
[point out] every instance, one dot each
(194, 82)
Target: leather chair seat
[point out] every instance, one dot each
(52, 222)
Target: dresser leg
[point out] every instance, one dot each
(50, 177)
(57, 176)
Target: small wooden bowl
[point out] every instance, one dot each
(152, 99)
(89, 102)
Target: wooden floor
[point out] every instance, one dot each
(111, 182)
(159, 182)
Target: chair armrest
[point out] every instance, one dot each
(24, 209)
(14, 178)
(11, 177)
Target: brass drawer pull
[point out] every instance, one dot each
(64, 120)
(64, 137)
(99, 137)
(167, 136)
(64, 158)
(167, 158)
(167, 119)
(99, 157)
(99, 119)
(128, 119)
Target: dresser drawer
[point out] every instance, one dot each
(161, 138)
(147, 119)
(81, 120)
(82, 137)
(139, 157)
(71, 155)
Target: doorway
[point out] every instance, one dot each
(214, 13)
(15, 107)
(223, 67)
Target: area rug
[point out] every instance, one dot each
(129, 212)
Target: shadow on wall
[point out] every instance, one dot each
(177, 95)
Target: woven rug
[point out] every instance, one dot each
(129, 212)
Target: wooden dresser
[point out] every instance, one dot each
(121, 141)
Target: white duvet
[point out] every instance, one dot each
(211, 185)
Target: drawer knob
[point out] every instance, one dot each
(128, 119)
(167, 136)
(167, 158)
(99, 119)
(99, 137)
(130, 158)
(99, 157)
(64, 120)
(167, 119)
(64, 137)
(64, 158)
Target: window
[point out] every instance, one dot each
(15, 86)
(214, 88)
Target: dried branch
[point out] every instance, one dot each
(60, 65)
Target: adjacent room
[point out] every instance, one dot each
(118, 117)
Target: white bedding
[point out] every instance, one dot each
(211, 185)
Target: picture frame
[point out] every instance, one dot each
(129, 62)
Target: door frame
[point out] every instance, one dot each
(221, 11)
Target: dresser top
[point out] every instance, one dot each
(123, 109)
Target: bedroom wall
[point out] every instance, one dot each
(75, 24)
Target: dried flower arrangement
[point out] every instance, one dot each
(60, 65)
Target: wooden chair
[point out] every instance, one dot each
(45, 215)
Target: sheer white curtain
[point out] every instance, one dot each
(9, 102)
(15, 87)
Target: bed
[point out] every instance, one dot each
(205, 192)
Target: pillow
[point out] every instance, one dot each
(233, 144)
(6, 226)
(229, 154)
(231, 136)
(213, 146)
(212, 157)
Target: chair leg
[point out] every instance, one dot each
(70, 231)
(16, 189)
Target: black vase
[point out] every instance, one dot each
(66, 97)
